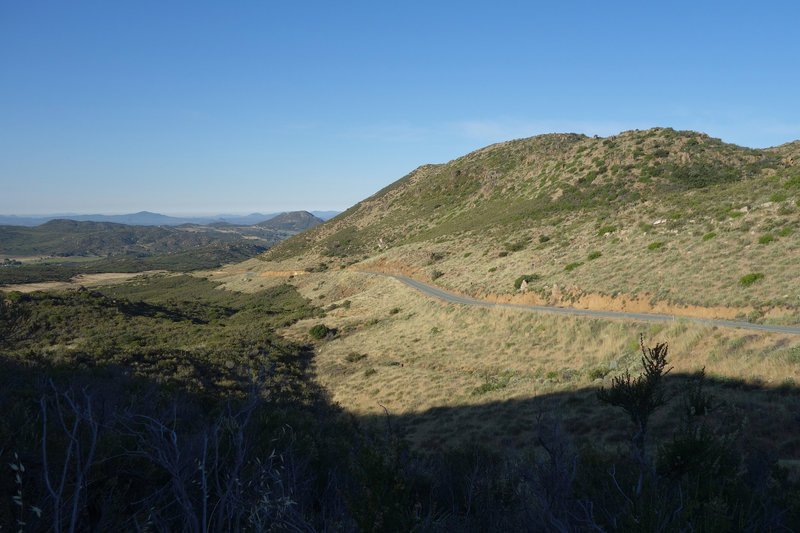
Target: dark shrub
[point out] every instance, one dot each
(527, 278)
(749, 279)
(320, 331)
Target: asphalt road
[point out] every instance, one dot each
(442, 294)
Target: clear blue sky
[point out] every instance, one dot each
(211, 107)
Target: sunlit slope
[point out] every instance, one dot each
(639, 219)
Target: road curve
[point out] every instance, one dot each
(447, 296)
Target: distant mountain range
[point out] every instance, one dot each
(147, 218)
(68, 238)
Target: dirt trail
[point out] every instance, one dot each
(626, 303)
(452, 297)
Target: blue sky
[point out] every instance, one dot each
(235, 107)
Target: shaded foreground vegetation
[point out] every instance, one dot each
(168, 404)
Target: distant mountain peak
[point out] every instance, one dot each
(292, 221)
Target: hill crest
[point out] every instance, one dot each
(293, 221)
(585, 215)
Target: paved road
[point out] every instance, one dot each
(442, 294)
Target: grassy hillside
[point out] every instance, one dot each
(649, 221)
(156, 401)
(648, 216)
(456, 418)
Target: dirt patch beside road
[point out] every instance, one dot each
(281, 273)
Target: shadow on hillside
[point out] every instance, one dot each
(156, 442)
(764, 418)
(133, 450)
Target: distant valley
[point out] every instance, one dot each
(60, 249)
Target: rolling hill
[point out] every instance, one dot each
(644, 216)
(295, 221)
(482, 418)
(656, 221)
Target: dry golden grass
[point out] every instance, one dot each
(432, 364)
(452, 373)
(246, 276)
(667, 278)
(86, 280)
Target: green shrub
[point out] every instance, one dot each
(785, 232)
(606, 229)
(735, 344)
(492, 269)
(14, 296)
(754, 315)
(502, 254)
(778, 197)
(544, 238)
(319, 331)
(598, 373)
(749, 279)
(436, 274)
(517, 246)
(766, 238)
(493, 383)
(573, 266)
(793, 354)
(709, 235)
(655, 245)
(594, 255)
(370, 372)
(527, 278)
(588, 178)
(354, 357)
(435, 256)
